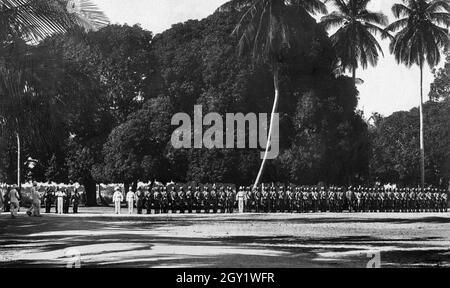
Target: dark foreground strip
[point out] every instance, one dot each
(234, 277)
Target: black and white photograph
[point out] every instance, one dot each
(225, 134)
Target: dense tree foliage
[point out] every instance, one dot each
(135, 150)
(198, 63)
(440, 88)
(395, 142)
(116, 90)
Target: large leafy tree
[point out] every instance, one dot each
(198, 64)
(268, 32)
(440, 88)
(354, 41)
(395, 159)
(32, 21)
(101, 77)
(135, 149)
(420, 38)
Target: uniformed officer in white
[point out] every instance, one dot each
(130, 200)
(117, 199)
(240, 197)
(59, 200)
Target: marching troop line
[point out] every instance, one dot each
(290, 199)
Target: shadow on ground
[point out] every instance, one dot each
(105, 241)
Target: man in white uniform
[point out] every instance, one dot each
(14, 200)
(240, 197)
(117, 199)
(130, 200)
(59, 200)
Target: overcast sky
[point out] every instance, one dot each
(387, 88)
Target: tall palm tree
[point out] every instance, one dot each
(34, 20)
(265, 30)
(420, 38)
(355, 41)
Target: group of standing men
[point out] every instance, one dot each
(62, 199)
(10, 201)
(175, 198)
(272, 199)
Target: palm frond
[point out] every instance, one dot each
(35, 20)
(438, 5)
(333, 20)
(312, 6)
(440, 18)
(373, 17)
(397, 25)
(400, 10)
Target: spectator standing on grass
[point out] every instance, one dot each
(36, 200)
(117, 199)
(59, 201)
(130, 200)
(75, 201)
(14, 201)
(6, 206)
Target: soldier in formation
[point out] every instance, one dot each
(289, 199)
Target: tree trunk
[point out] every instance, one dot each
(19, 181)
(272, 117)
(422, 146)
(91, 193)
(354, 76)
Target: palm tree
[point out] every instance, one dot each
(420, 38)
(355, 41)
(34, 20)
(264, 29)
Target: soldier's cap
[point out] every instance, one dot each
(117, 189)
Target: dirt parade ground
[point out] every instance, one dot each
(95, 238)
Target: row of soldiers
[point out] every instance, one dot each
(62, 199)
(177, 198)
(293, 199)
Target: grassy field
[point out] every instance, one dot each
(229, 241)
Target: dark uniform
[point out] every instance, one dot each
(140, 200)
(48, 199)
(148, 201)
(173, 200)
(214, 200)
(198, 199)
(157, 197)
(189, 199)
(76, 201)
(66, 201)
